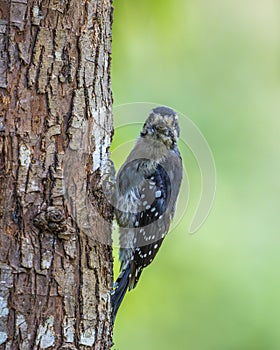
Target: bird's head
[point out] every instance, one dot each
(162, 126)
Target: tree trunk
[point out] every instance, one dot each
(55, 131)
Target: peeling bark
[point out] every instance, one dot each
(55, 132)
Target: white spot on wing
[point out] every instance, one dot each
(158, 194)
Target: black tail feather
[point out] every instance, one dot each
(119, 291)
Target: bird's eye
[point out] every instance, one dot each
(151, 130)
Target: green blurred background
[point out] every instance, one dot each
(218, 62)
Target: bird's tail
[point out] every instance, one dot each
(119, 291)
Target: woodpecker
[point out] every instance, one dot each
(147, 187)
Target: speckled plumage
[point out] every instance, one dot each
(148, 184)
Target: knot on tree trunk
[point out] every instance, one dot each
(51, 220)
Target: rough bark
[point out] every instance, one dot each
(55, 130)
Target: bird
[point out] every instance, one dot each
(146, 191)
